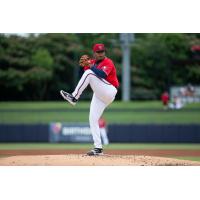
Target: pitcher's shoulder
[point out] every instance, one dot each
(108, 61)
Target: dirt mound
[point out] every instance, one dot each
(144, 152)
(83, 160)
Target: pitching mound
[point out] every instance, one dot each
(83, 160)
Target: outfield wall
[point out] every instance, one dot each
(164, 133)
(24, 133)
(145, 133)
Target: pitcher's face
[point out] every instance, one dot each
(99, 55)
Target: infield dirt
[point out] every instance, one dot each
(83, 160)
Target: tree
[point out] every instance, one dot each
(36, 67)
(40, 74)
(158, 61)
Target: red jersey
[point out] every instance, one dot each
(108, 67)
(165, 97)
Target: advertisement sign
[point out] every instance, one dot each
(69, 132)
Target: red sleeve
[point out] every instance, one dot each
(107, 67)
(86, 68)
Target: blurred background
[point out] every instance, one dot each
(34, 67)
(158, 102)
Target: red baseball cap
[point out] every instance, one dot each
(98, 47)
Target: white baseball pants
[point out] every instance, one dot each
(104, 94)
(104, 136)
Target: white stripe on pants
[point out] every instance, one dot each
(104, 94)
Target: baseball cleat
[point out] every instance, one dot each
(95, 152)
(68, 97)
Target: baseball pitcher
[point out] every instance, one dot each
(100, 74)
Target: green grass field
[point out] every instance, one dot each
(117, 112)
(117, 146)
(138, 146)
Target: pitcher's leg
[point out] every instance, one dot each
(82, 84)
(103, 90)
(104, 136)
(96, 110)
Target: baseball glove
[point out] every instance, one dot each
(84, 61)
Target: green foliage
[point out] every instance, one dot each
(38, 66)
(42, 58)
(13, 78)
(160, 61)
